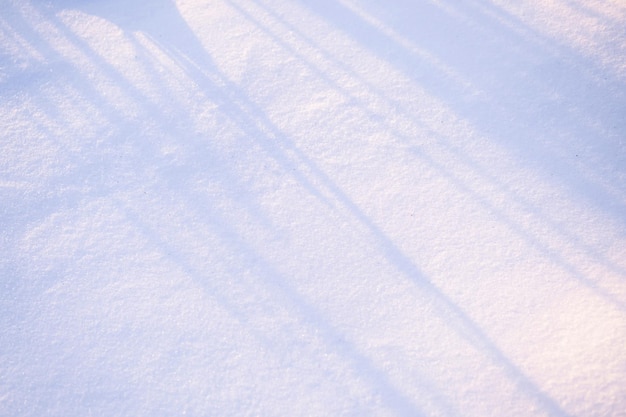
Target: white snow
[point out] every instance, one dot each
(313, 208)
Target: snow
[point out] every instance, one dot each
(312, 208)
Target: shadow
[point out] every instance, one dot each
(256, 130)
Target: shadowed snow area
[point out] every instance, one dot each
(313, 208)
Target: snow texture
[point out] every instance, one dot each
(313, 208)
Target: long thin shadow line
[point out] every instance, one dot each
(234, 105)
(534, 209)
(463, 324)
(518, 229)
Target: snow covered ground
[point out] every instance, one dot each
(313, 208)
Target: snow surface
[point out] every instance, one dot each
(313, 208)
